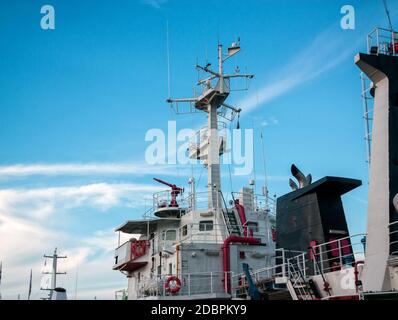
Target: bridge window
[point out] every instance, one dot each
(206, 225)
(252, 226)
(184, 230)
(171, 235)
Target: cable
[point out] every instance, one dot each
(388, 15)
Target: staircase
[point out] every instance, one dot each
(232, 222)
(297, 285)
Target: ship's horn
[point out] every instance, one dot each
(395, 202)
(293, 185)
(303, 181)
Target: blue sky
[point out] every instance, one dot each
(76, 102)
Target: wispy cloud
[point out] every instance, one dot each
(325, 52)
(30, 226)
(58, 169)
(272, 121)
(90, 258)
(155, 3)
(40, 203)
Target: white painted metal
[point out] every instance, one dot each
(377, 248)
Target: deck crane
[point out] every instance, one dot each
(175, 191)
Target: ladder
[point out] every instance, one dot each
(231, 222)
(367, 101)
(297, 284)
(230, 219)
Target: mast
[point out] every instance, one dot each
(54, 272)
(30, 285)
(265, 187)
(216, 89)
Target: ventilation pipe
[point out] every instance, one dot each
(225, 249)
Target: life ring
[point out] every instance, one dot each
(173, 284)
(138, 248)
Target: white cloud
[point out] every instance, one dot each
(30, 227)
(325, 52)
(40, 203)
(155, 3)
(20, 170)
(90, 258)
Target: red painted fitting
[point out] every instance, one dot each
(225, 249)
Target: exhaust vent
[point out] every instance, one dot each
(302, 180)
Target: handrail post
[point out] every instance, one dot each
(189, 284)
(370, 38)
(320, 258)
(284, 262)
(211, 282)
(164, 287)
(340, 252)
(378, 41)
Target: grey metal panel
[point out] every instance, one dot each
(198, 261)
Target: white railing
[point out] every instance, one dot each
(163, 199)
(336, 254)
(200, 201)
(121, 294)
(383, 41)
(191, 284)
(259, 202)
(324, 258)
(197, 201)
(239, 283)
(393, 227)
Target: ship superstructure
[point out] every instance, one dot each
(317, 257)
(190, 246)
(253, 248)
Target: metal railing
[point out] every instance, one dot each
(121, 294)
(258, 202)
(336, 254)
(162, 199)
(323, 258)
(197, 201)
(382, 41)
(200, 201)
(393, 228)
(191, 284)
(281, 269)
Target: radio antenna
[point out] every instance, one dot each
(168, 60)
(388, 15)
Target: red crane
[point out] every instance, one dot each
(175, 191)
